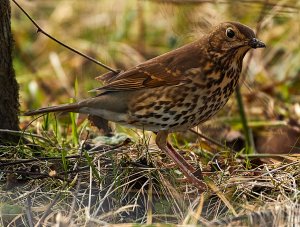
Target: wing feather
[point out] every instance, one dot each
(165, 70)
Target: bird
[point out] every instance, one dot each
(173, 92)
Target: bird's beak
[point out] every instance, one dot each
(256, 43)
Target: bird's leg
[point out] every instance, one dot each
(195, 172)
(179, 157)
(187, 169)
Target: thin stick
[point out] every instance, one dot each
(39, 29)
(49, 208)
(23, 133)
(28, 211)
(92, 151)
(211, 140)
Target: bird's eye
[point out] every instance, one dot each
(230, 33)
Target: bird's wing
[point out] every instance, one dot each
(109, 76)
(165, 70)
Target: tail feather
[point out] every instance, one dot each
(74, 107)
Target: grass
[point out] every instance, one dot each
(68, 173)
(121, 184)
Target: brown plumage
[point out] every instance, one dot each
(174, 91)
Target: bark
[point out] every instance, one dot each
(9, 88)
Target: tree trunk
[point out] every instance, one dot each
(9, 88)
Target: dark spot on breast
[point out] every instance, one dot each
(230, 73)
(209, 84)
(151, 105)
(173, 125)
(201, 109)
(158, 115)
(166, 119)
(192, 107)
(177, 117)
(192, 118)
(150, 114)
(164, 103)
(208, 112)
(194, 89)
(137, 108)
(184, 112)
(209, 115)
(195, 98)
(186, 117)
(217, 107)
(217, 91)
(235, 82)
(139, 116)
(166, 110)
(209, 71)
(180, 100)
(157, 107)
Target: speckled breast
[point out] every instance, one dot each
(179, 108)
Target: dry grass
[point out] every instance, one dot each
(126, 186)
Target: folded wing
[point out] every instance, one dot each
(165, 70)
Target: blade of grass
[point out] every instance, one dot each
(91, 164)
(216, 190)
(45, 125)
(64, 160)
(250, 147)
(150, 201)
(75, 137)
(56, 129)
(74, 116)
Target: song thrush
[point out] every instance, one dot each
(174, 91)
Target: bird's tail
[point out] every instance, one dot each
(73, 107)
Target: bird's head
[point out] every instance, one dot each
(230, 36)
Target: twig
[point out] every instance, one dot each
(23, 161)
(28, 211)
(38, 175)
(92, 151)
(75, 196)
(39, 29)
(23, 133)
(211, 140)
(47, 212)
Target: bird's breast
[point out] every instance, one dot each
(177, 108)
